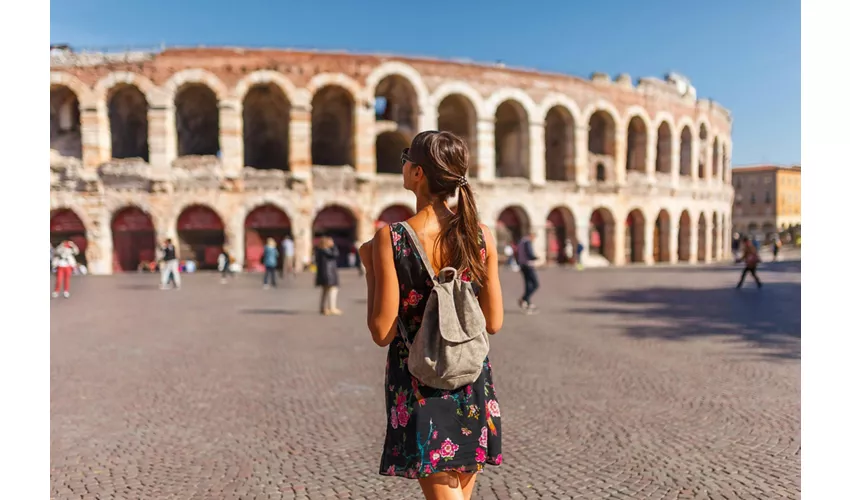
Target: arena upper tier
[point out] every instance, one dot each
(214, 146)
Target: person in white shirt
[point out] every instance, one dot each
(64, 260)
(288, 250)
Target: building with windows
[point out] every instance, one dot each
(215, 146)
(767, 201)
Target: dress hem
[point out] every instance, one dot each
(416, 475)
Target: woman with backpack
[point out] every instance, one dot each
(751, 261)
(440, 436)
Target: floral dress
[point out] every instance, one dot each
(433, 430)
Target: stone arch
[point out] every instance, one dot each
(458, 114)
(603, 106)
(601, 238)
(396, 105)
(80, 89)
(601, 134)
(714, 236)
(702, 238)
(503, 95)
(105, 86)
(133, 239)
(725, 165)
(196, 118)
(394, 72)
(635, 240)
(268, 77)
(685, 151)
(343, 81)
(388, 148)
(715, 160)
(561, 100)
(390, 214)
(685, 236)
(664, 149)
(702, 151)
(67, 224)
(512, 140)
(560, 228)
(560, 144)
(194, 76)
(340, 223)
(200, 235)
(127, 111)
(661, 237)
(65, 121)
(264, 221)
(462, 89)
(512, 223)
(266, 110)
(637, 141)
(333, 131)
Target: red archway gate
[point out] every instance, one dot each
(66, 225)
(133, 239)
(341, 225)
(265, 221)
(200, 232)
(560, 227)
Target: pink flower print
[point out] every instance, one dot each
(396, 238)
(482, 441)
(428, 467)
(480, 455)
(403, 416)
(465, 431)
(399, 398)
(391, 470)
(498, 459)
(434, 435)
(413, 298)
(448, 449)
(493, 408)
(405, 252)
(483, 253)
(468, 390)
(393, 418)
(435, 457)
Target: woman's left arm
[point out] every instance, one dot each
(385, 297)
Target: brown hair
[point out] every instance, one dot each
(444, 159)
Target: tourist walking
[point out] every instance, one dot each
(751, 261)
(170, 267)
(441, 437)
(526, 258)
(579, 254)
(288, 268)
(64, 260)
(327, 275)
(270, 258)
(736, 247)
(224, 265)
(568, 251)
(777, 244)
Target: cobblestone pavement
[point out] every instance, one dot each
(630, 383)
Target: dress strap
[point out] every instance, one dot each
(418, 246)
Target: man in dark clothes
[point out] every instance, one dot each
(526, 257)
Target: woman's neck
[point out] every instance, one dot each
(434, 206)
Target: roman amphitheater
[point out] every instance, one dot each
(225, 146)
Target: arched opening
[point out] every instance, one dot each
(393, 214)
(635, 241)
(66, 225)
(685, 145)
(395, 101)
(265, 128)
(560, 145)
(511, 140)
(264, 222)
(601, 237)
(661, 237)
(703, 152)
(65, 129)
(388, 147)
(714, 236)
(685, 237)
(333, 127)
(341, 225)
(560, 229)
(196, 117)
(702, 238)
(511, 226)
(636, 145)
(727, 175)
(715, 160)
(128, 122)
(664, 150)
(456, 114)
(200, 235)
(600, 172)
(133, 239)
(600, 137)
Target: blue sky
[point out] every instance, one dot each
(743, 54)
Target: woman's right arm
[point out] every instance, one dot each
(490, 296)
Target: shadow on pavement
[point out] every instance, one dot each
(768, 318)
(268, 311)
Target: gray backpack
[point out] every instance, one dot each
(451, 344)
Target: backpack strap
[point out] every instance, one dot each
(418, 246)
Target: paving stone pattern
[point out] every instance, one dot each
(631, 383)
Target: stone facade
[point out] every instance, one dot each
(767, 200)
(636, 173)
